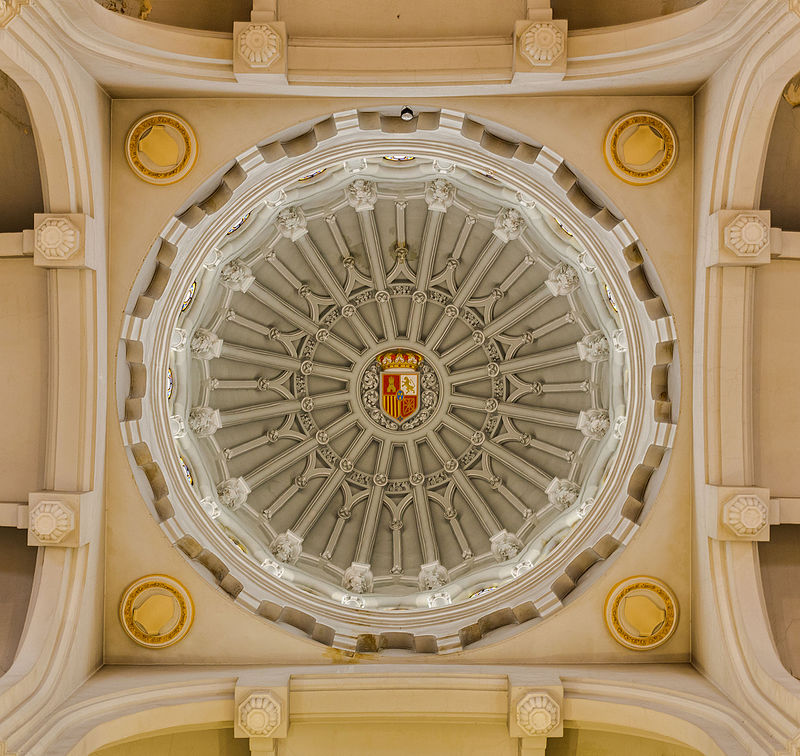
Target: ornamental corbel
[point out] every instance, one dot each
(64, 241)
(535, 714)
(540, 49)
(261, 715)
(740, 237)
(739, 513)
(57, 518)
(259, 51)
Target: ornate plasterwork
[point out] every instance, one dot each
(362, 194)
(537, 714)
(640, 148)
(641, 613)
(50, 522)
(746, 235)
(542, 43)
(259, 45)
(156, 611)
(57, 238)
(745, 515)
(269, 354)
(259, 715)
(161, 148)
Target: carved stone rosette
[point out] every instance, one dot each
(259, 715)
(745, 515)
(542, 43)
(537, 714)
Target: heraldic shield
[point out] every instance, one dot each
(399, 383)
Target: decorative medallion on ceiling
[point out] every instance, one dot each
(398, 385)
(641, 148)
(161, 148)
(641, 613)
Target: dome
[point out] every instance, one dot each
(399, 381)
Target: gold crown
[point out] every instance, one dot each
(389, 360)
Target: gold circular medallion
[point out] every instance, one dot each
(161, 148)
(641, 613)
(156, 611)
(640, 148)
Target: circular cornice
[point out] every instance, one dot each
(602, 521)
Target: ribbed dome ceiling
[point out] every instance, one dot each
(437, 285)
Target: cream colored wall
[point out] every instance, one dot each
(782, 169)
(573, 127)
(776, 365)
(17, 563)
(594, 743)
(20, 184)
(23, 376)
(194, 743)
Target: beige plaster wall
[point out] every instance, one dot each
(21, 185)
(194, 743)
(23, 377)
(782, 169)
(596, 743)
(776, 365)
(17, 564)
(574, 127)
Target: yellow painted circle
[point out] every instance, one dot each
(161, 148)
(156, 611)
(640, 148)
(641, 613)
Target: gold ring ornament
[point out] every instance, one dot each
(640, 148)
(161, 148)
(641, 613)
(156, 611)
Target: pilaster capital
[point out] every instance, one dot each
(64, 240)
(738, 513)
(57, 518)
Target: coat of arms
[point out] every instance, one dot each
(399, 385)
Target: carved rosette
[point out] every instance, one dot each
(358, 578)
(537, 714)
(745, 515)
(260, 714)
(236, 276)
(259, 45)
(204, 421)
(432, 576)
(439, 195)
(287, 547)
(232, 493)
(562, 494)
(362, 194)
(594, 423)
(50, 521)
(505, 546)
(747, 235)
(542, 43)
(562, 280)
(291, 223)
(57, 239)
